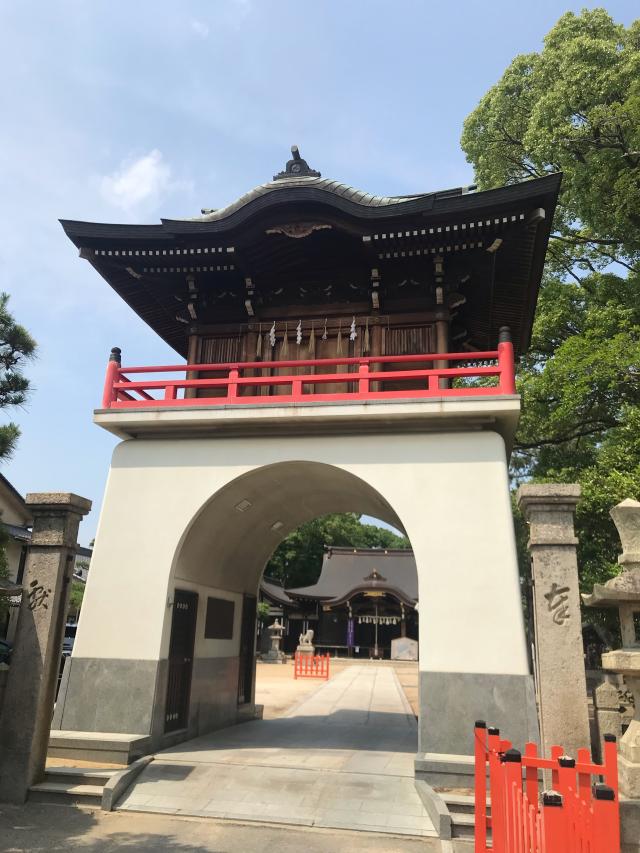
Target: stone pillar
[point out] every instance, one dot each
(560, 675)
(30, 692)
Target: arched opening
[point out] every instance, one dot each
(216, 579)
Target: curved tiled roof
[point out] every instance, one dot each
(345, 570)
(335, 188)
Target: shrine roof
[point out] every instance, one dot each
(317, 192)
(347, 571)
(274, 591)
(289, 238)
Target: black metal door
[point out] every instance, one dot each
(183, 633)
(247, 649)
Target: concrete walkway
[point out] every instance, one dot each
(343, 758)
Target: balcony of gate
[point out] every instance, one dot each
(470, 390)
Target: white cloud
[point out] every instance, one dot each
(200, 28)
(144, 180)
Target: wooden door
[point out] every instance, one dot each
(181, 645)
(247, 649)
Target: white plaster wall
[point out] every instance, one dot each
(449, 491)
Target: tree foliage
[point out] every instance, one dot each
(75, 600)
(16, 347)
(4, 573)
(575, 107)
(572, 108)
(298, 559)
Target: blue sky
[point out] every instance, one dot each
(126, 112)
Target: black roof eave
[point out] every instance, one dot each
(545, 190)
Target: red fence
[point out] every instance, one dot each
(579, 814)
(255, 382)
(311, 666)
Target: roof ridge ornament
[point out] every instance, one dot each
(375, 576)
(296, 167)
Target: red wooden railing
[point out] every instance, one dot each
(578, 815)
(311, 666)
(305, 380)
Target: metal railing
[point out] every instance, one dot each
(578, 815)
(268, 382)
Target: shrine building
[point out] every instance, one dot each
(363, 601)
(337, 351)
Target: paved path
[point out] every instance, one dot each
(39, 828)
(343, 758)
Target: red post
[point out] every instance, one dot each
(554, 826)
(496, 783)
(531, 773)
(512, 792)
(363, 378)
(232, 387)
(606, 820)
(610, 750)
(109, 394)
(506, 362)
(481, 786)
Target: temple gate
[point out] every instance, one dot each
(345, 352)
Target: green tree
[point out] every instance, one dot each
(575, 107)
(75, 600)
(16, 347)
(4, 574)
(298, 559)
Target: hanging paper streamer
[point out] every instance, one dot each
(324, 334)
(365, 342)
(284, 349)
(299, 332)
(353, 334)
(259, 343)
(339, 341)
(272, 335)
(312, 343)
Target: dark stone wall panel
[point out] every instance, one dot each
(105, 695)
(450, 703)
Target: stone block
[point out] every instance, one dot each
(630, 826)
(404, 648)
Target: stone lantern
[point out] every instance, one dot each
(275, 655)
(623, 592)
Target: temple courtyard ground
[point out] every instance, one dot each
(330, 768)
(341, 758)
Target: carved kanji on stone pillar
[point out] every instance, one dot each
(28, 704)
(560, 676)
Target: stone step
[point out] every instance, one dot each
(100, 747)
(66, 792)
(462, 825)
(79, 775)
(462, 803)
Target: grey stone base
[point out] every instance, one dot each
(630, 826)
(128, 697)
(104, 695)
(450, 703)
